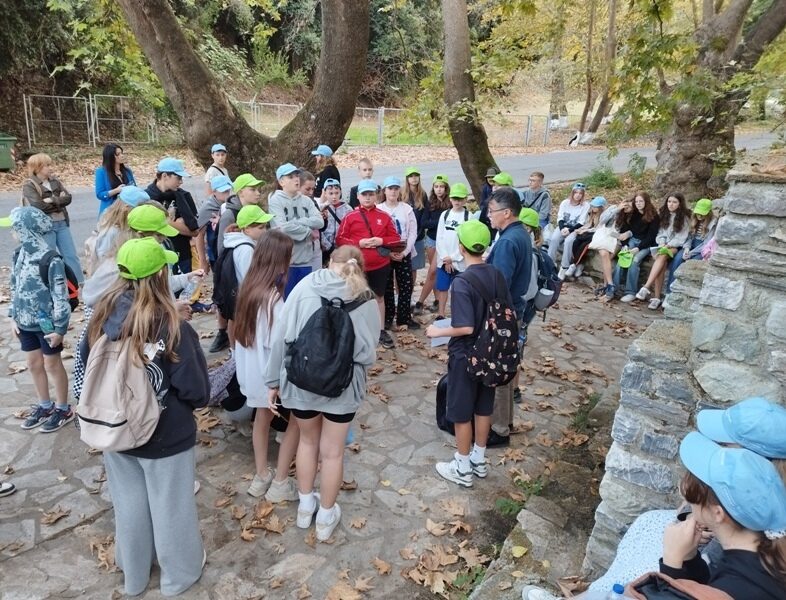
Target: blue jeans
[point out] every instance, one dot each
(294, 277)
(60, 239)
(632, 276)
(679, 259)
(183, 266)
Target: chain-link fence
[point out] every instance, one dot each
(122, 119)
(57, 120)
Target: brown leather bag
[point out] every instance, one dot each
(657, 586)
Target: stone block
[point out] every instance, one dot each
(766, 259)
(777, 365)
(660, 445)
(674, 388)
(707, 331)
(765, 199)
(656, 408)
(776, 320)
(626, 428)
(740, 343)
(722, 292)
(629, 501)
(664, 345)
(726, 381)
(636, 377)
(740, 230)
(639, 470)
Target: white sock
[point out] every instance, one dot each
(325, 515)
(478, 455)
(307, 501)
(463, 462)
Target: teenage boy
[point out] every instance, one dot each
(295, 215)
(246, 192)
(468, 400)
(219, 154)
(207, 221)
(537, 198)
(366, 171)
(39, 317)
(450, 261)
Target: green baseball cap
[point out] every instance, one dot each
(703, 207)
(143, 257)
(411, 171)
(248, 215)
(474, 235)
(503, 179)
(5, 221)
(460, 191)
(246, 180)
(530, 217)
(150, 218)
(441, 179)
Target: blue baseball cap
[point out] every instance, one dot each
(598, 201)
(133, 195)
(286, 169)
(322, 150)
(755, 423)
(331, 183)
(221, 183)
(747, 485)
(367, 185)
(579, 186)
(391, 181)
(172, 165)
(218, 148)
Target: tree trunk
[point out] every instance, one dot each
(469, 136)
(695, 153)
(206, 114)
(611, 53)
(590, 98)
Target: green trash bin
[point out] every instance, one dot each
(7, 162)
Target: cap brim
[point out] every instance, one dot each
(168, 231)
(5, 222)
(183, 173)
(224, 188)
(171, 257)
(316, 153)
(710, 424)
(266, 218)
(696, 453)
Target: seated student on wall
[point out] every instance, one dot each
(638, 234)
(571, 215)
(606, 242)
(701, 233)
(572, 253)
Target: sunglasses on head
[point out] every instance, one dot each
(579, 186)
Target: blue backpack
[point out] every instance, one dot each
(544, 277)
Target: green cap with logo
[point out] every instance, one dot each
(703, 207)
(460, 191)
(441, 179)
(411, 171)
(246, 180)
(143, 257)
(503, 179)
(474, 236)
(147, 218)
(5, 221)
(250, 214)
(529, 216)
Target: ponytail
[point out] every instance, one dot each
(349, 259)
(772, 554)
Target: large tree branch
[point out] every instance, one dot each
(724, 26)
(766, 28)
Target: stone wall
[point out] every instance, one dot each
(723, 339)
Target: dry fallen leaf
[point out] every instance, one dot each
(453, 507)
(263, 509)
(303, 593)
(205, 419)
(15, 368)
(517, 574)
(247, 535)
(518, 551)
(358, 522)
(437, 529)
(343, 591)
(278, 548)
(363, 584)
(349, 486)
(457, 526)
(403, 492)
(276, 583)
(9, 470)
(407, 553)
(22, 413)
(504, 585)
(382, 567)
(311, 539)
(238, 512)
(222, 502)
(472, 557)
(385, 482)
(53, 516)
(104, 551)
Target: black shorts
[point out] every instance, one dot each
(34, 340)
(313, 414)
(378, 280)
(466, 397)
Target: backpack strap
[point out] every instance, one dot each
(332, 212)
(477, 284)
(44, 264)
(365, 219)
(351, 305)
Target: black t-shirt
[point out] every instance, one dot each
(185, 208)
(468, 309)
(329, 172)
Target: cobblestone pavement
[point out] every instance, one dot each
(398, 506)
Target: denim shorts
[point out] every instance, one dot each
(34, 340)
(444, 279)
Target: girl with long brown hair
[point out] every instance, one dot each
(259, 306)
(638, 230)
(438, 202)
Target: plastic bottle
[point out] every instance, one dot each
(45, 323)
(617, 592)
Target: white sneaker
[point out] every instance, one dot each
(571, 271)
(281, 491)
(479, 469)
(654, 304)
(244, 428)
(531, 592)
(259, 485)
(304, 516)
(579, 271)
(628, 298)
(197, 486)
(643, 294)
(325, 530)
(562, 272)
(450, 471)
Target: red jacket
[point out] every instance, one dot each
(353, 229)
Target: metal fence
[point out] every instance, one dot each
(99, 118)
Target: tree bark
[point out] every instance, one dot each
(608, 75)
(695, 153)
(557, 106)
(469, 136)
(588, 75)
(206, 114)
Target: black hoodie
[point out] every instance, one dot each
(184, 384)
(185, 209)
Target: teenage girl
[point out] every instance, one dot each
(571, 215)
(111, 176)
(259, 305)
(574, 253)
(326, 168)
(417, 198)
(619, 217)
(702, 230)
(638, 235)
(672, 235)
(438, 202)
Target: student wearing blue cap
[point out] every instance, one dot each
(335, 211)
(326, 168)
(295, 215)
(219, 154)
(208, 218)
(575, 247)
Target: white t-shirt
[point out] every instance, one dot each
(251, 363)
(214, 171)
(447, 238)
(572, 215)
(405, 222)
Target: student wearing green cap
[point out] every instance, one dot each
(467, 399)
(700, 234)
(450, 261)
(438, 203)
(417, 198)
(152, 486)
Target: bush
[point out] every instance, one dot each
(602, 176)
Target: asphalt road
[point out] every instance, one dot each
(558, 165)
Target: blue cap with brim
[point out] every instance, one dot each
(172, 165)
(133, 195)
(367, 185)
(748, 485)
(331, 183)
(598, 202)
(218, 148)
(391, 181)
(221, 183)
(755, 423)
(286, 169)
(322, 150)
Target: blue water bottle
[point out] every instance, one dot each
(45, 323)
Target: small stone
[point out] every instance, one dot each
(706, 331)
(660, 445)
(638, 470)
(626, 428)
(731, 382)
(776, 320)
(722, 292)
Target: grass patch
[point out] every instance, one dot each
(580, 420)
(466, 582)
(602, 176)
(510, 506)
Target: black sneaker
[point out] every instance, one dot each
(386, 340)
(220, 342)
(413, 324)
(435, 306)
(517, 395)
(57, 420)
(417, 310)
(496, 440)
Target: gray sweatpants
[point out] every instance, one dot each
(503, 409)
(155, 517)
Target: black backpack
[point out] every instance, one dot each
(442, 406)
(494, 358)
(72, 283)
(321, 359)
(225, 282)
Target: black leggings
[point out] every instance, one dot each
(312, 414)
(401, 272)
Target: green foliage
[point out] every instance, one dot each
(580, 420)
(602, 176)
(228, 64)
(531, 487)
(468, 581)
(31, 37)
(637, 166)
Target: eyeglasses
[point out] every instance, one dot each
(493, 210)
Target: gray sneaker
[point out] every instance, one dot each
(386, 340)
(450, 471)
(260, 485)
(37, 416)
(479, 469)
(281, 491)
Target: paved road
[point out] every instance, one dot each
(558, 165)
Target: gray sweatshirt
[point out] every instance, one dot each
(296, 217)
(667, 236)
(302, 302)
